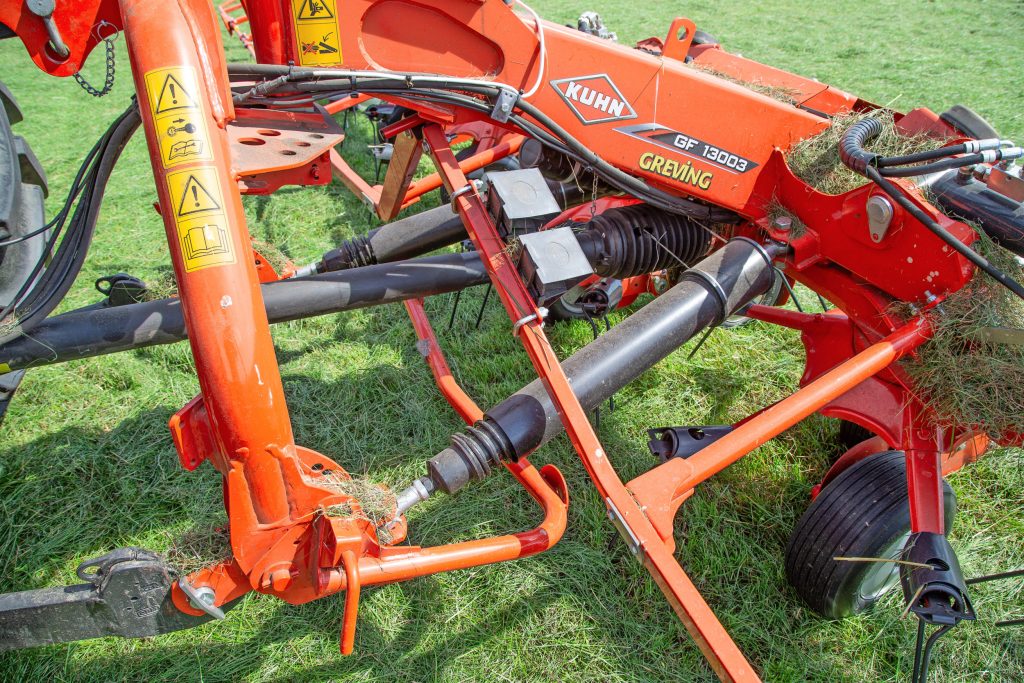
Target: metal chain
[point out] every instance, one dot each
(593, 195)
(108, 82)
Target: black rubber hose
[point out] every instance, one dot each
(32, 306)
(94, 332)
(852, 153)
(740, 271)
(943, 234)
(919, 157)
(935, 167)
(370, 83)
(851, 148)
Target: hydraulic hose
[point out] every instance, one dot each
(853, 154)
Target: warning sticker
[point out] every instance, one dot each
(173, 95)
(313, 10)
(205, 242)
(317, 32)
(199, 216)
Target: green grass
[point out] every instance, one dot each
(87, 464)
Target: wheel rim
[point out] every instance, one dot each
(882, 576)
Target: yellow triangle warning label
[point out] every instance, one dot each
(312, 10)
(173, 96)
(195, 198)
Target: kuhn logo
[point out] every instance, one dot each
(594, 99)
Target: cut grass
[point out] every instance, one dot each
(87, 464)
(967, 380)
(816, 161)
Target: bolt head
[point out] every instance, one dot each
(205, 595)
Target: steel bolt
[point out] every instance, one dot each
(277, 579)
(782, 223)
(206, 595)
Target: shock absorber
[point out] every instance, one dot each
(712, 290)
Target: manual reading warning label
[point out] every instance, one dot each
(316, 32)
(199, 216)
(178, 115)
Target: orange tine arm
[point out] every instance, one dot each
(508, 146)
(467, 409)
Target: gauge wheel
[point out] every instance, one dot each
(863, 513)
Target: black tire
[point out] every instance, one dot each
(22, 191)
(703, 38)
(863, 513)
(851, 434)
(969, 122)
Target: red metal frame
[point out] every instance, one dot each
(283, 541)
(232, 14)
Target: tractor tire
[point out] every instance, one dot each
(22, 190)
(969, 122)
(863, 513)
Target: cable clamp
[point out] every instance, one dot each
(504, 104)
(469, 187)
(539, 315)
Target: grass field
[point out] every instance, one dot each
(87, 465)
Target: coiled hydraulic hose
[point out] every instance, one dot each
(853, 154)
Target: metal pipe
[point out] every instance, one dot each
(94, 332)
(709, 292)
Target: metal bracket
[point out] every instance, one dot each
(682, 442)
(127, 593)
(503, 105)
(202, 598)
(635, 547)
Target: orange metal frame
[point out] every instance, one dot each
(283, 541)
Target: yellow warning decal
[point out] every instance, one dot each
(174, 99)
(314, 10)
(198, 204)
(317, 32)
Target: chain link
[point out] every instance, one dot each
(108, 82)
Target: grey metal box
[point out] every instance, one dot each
(552, 262)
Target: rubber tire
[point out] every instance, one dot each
(860, 514)
(24, 188)
(969, 122)
(851, 434)
(703, 38)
